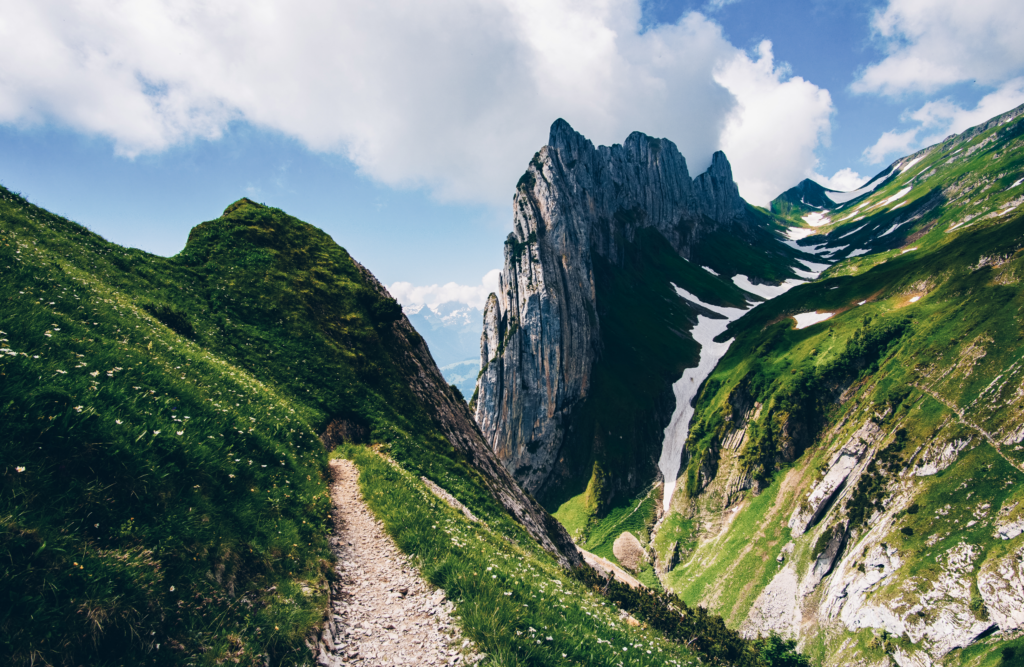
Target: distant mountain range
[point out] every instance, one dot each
(452, 332)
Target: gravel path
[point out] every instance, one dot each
(384, 613)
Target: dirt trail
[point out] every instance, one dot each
(383, 612)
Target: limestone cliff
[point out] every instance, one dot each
(579, 208)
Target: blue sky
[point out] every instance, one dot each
(401, 128)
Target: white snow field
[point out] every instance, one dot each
(797, 233)
(1016, 184)
(814, 269)
(816, 219)
(899, 195)
(804, 320)
(710, 270)
(908, 250)
(914, 299)
(843, 197)
(686, 387)
(858, 252)
(853, 232)
(765, 291)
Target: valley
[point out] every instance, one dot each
(799, 429)
(837, 396)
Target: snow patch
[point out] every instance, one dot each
(765, 291)
(906, 167)
(899, 195)
(861, 303)
(814, 269)
(1016, 184)
(710, 270)
(704, 332)
(914, 299)
(892, 229)
(816, 219)
(843, 197)
(853, 232)
(797, 233)
(804, 320)
(908, 250)
(858, 253)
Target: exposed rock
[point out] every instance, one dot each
(941, 456)
(824, 561)
(629, 551)
(454, 420)
(776, 609)
(448, 498)
(541, 330)
(1001, 583)
(840, 467)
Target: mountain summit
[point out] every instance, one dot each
(586, 335)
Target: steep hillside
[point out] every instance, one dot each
(587, 335)
(855, 463)
(164, 428)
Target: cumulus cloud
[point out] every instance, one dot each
(844, 180)
(432, 296)
(937, 119)
(451, 95)
(934, 43)
(778, 121)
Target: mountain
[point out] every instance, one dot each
(808, 419)
(166, 428)
(616, 252)
(452, 332)
(854, 468)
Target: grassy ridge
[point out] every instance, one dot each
(163, 497)
(925, 341)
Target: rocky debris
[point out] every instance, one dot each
(1009, 521)
(840, 467)
(776, 608)
(942, 456)
(382, 611)
(629, 551)
(451, 500)
(1001, 584)
(824, 561)
(606, 568)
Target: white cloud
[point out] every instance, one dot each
(891, 142)
(772, 132)
(844, 180)
(451, 95)
(432, 296)
(934, 43)
(937, 119)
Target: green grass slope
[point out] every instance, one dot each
(164, 498)
(924, 347)
(163, 475)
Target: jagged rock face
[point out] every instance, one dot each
(541, 331)
(453, 418)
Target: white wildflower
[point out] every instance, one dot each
(118, 421)
(20, 468)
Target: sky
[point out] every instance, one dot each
(400, 127)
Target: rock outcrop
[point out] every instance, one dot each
(454, 420)
(629, 551)
(542, 334)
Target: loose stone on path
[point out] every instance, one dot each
(383, 612)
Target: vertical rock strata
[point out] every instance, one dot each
(541, 334)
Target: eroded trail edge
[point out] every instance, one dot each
(382, 611)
